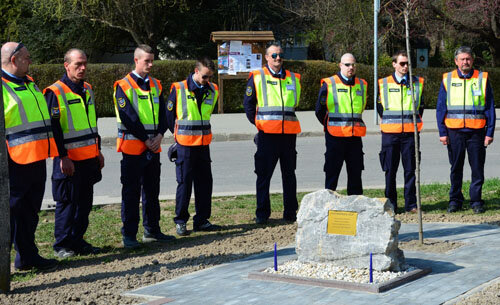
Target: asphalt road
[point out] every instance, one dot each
(233, 165)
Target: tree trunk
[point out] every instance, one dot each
(4, 207)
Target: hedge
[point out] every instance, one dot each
(102, 77)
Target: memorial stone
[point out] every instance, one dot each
(344, 230)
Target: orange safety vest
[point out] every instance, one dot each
(465, 100)
(345, 106)
(79, 126)
(397, 100)
(276, 101)
(148, 112)
(28, 131)
(192, 126)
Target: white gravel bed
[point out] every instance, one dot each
(327, 271)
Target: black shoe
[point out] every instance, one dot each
(63, 253)
(130, 242)
(88, 249)
(453, 209)
(290, 219)
(207, 227)
(181, 229)
(156, 237)
(260, 221)
(42, 264)
(478, 209)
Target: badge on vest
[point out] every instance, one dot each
(22, 88)
(342, 90)
(74, 101)
(156, 99)
(394, 90)
(359, 93)
(272, 82)
(170, 105)
(476, 93)
(121, 102)
(456, 84)
(143, 97)
(55, 112)
(209, 101)
(290, 87)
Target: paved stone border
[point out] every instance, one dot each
(374, 288)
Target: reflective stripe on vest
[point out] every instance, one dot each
(465, 107)
(276, 111)
(397, 116)
(126, 142)
(193, 127)
(28, 136)
(344, 112)
(80, 142)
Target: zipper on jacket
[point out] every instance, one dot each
(43, 119)
(402, 117)
(352, 110)
(465, 92)
(282, 108)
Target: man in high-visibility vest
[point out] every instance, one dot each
(341, 101)
(398, 140)
(71, 104)
(272, 94)
(140, 112)
(28, 134)
(190, 105)
(465, 114)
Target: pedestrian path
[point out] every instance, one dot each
(453, 274)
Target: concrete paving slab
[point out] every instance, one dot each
(453, 274)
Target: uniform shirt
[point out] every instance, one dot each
(399, 81)
(52, 103)
(200, 92)
(250, 100)
(130, 118)
(321, 109)
(489, 109)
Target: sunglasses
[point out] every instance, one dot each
(349, 64)
(275, 55)
(17, 49)
(403, 63)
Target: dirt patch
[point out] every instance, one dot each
(103, 278)
(430, 245)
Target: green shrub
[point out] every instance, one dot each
(103, 76)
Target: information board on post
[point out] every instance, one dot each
(236, 56)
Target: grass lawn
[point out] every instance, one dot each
(105, 221)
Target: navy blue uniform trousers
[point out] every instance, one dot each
(394, 147)
(473, 143)
(193, 167)
(27, 186)
(140, 175)
(338, 150)
(270, 149)
(73, 196)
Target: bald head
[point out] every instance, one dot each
(15, 58)
(347, 56)
(348, 65)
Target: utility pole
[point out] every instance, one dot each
(376, 10)
(417, 139)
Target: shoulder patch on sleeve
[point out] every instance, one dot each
(121, 102)
(170, 105)
(249, 91)
(55, 112)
